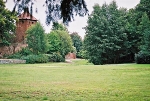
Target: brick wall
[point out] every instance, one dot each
(21, 28)
(11, 49)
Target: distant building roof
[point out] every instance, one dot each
(26, 16)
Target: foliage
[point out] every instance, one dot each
(142, 58)
(54, 42)
(36, 39)
(31, 59)
(55, 57)
(143, 7)
(144, 28)
(7, 25)
(59, 41)
(77, 42)
(82, 54)
(20, 54)
(14, 56)
(66, 42)
(144, 55)
(106, 40)
(56, 9)
(57, 26)
(25, 51)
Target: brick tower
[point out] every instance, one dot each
(25, 21)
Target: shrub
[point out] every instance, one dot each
(25, 52)
(142, 58)
(55, 57)
(41, 58)
(18, 55)
(14, 56)
(82, 54)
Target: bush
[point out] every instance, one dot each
(82, 54)
(22, 53)
(14, 56)
(25, 52)
(142, 58)
(56, 57)
(41, 58)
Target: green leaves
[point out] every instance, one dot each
(36, 39)
(77, 41)
(59, 40)
(7, 25)
(105, 38)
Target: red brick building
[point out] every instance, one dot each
(25, 21)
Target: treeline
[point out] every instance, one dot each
(48, 47)
(118, 35)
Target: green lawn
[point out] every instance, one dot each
(78, 81)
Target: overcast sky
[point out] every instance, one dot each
(80, 22)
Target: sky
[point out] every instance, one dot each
(79, 22)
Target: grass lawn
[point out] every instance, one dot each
(78, 81)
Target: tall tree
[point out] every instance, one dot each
(77, 41)
(59, 41)
(7, 25)
(143, 6)
(56, 9)
(145, 31)
(54, 42)
(105, 40)
(143, 56)
(36, 39)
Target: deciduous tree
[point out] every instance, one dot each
(36, 39)
(106, 40)
(77, 41)
(7, 25)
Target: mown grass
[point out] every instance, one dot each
(77, 81)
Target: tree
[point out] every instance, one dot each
(106, 39)
(143, 6)
(77, 42)
(57, 26)
(95, 35)
(7, 25)
(36, 39)
(145, 31)
(131, 28)
(56, 9)
(59, 41)
(54, 42)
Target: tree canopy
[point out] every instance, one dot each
(36, 39)
(59, 40)
(115, 35)
(7, 25)
(56, 9)
(77, 41)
